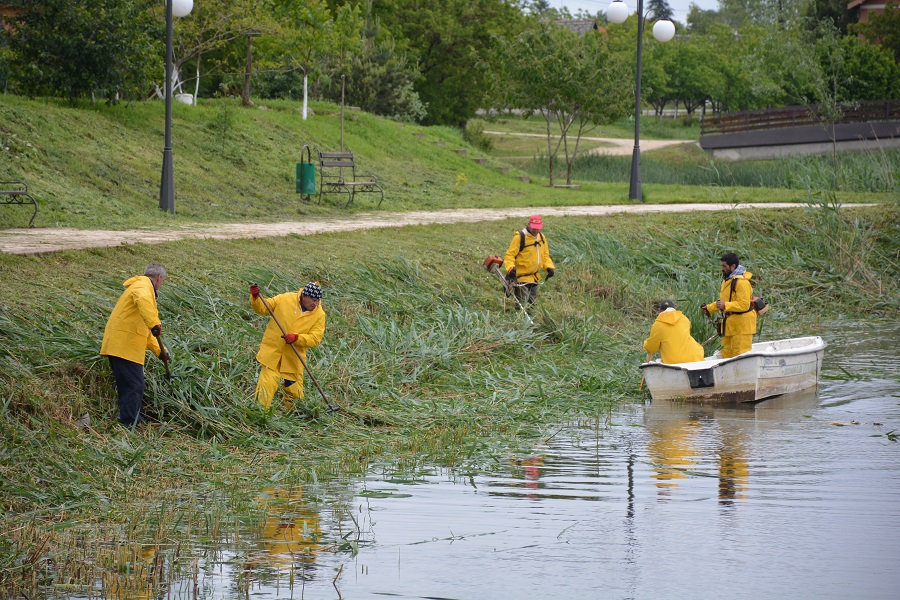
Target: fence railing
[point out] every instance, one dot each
(795, 116)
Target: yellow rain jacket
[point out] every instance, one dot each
(309, 327)
(740, 318)
(534, 256)
(670, 335)
(127, 332)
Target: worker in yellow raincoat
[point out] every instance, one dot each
(734, 301)
(130, 331)
(670, 335)
(528, 253)
(303, 318)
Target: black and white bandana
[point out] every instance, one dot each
(313, 290)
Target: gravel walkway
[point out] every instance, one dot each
(38, 241)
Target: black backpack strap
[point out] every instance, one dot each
(521, 240)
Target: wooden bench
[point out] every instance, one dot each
(16, 193)
(345, 180)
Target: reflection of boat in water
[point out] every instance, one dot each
(769, 369)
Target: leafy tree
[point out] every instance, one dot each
(211, 28)
(833, 10)
(574, 82)
(871, 72)
(74, 48)
(381, 79)
(446, 39)
(884, 28)
(660, 9)
(702, 21)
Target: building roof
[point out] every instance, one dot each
(579, 26)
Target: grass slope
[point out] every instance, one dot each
(99, 166)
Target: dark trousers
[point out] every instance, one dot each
(130, 386)
(526, 294)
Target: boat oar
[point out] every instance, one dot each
(649, 356)
(331, 407)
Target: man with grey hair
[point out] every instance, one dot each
(132, 329)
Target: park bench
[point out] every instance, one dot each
(337, 175)
(16, 193)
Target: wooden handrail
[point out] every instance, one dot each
(795, 116)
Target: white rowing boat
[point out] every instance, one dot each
(769, 369)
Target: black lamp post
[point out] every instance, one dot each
(178, 8)
(663, 31)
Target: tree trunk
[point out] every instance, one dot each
(549, 148)
(245, 96)
(197, 83)
(305, 94)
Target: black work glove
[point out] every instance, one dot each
(156, 330)
(511, 275)
(551, 273)
(704, 310)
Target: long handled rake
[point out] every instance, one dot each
(331, 407)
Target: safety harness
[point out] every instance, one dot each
(538, 240)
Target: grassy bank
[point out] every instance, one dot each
(427, 361)
(99, 166)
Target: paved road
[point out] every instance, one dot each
(617, 146)
(37, 241)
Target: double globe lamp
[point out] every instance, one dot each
(663, 31)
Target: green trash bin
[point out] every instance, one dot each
(306, 178)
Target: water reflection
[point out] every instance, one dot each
(290, 535)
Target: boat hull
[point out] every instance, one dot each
(769, 369)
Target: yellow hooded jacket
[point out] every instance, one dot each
(127, 332)
(533, 257)
(309, 327)
(740, 319)
(670, 335)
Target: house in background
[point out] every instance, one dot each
(869, 6)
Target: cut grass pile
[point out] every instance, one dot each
(420, 351)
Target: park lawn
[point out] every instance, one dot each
(516, 146)
(651, 127)
(98, 166)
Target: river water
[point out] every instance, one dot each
(795, 497)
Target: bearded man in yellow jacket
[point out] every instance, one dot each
(303, 318)
(528, 253)
(734, 301)
(131, 330)
(670, 335)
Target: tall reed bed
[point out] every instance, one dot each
(870, 171)
(428, 361)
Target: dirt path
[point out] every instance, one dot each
(617, 146)
(37, 241)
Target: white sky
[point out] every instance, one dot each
(679, 7)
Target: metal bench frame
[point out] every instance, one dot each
(339, 184)
(16, 193)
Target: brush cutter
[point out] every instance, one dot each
(492, 265)
(331, 407)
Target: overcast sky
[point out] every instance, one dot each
(679, 7)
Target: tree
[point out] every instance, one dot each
(571, 81)
(702, 21)
(883, 29)
(446, 39)
(834, 10)
(660, 9)
(871, 72)
(74, 48)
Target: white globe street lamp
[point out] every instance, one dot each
(663, 31)
(178, 8)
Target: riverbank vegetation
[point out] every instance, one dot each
(422, 353)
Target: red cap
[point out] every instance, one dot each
(535, 222)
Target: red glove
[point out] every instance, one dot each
(290, 338)
(156, 330)
(164, 356)
(254, 290)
